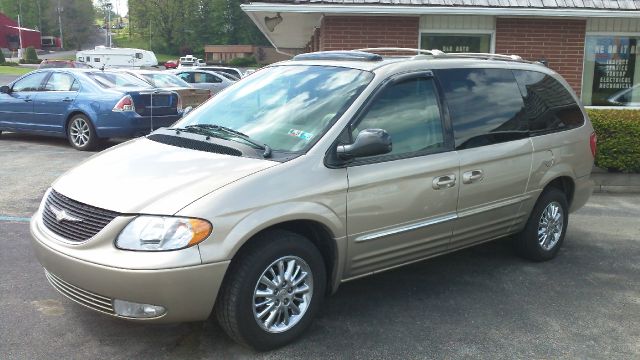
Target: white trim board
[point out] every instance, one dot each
(433, 10)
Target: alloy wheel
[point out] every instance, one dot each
(79, 132)
(282, 294)
(550, 226)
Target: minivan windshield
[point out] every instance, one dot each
(286, 107)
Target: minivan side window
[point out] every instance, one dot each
(409, 112)
(548, 104)
(485, 106)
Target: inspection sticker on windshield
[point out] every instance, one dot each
(301, 134)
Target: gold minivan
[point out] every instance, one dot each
(312, 172)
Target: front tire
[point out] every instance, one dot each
(544, 233)
(81, 134)
(273, 290)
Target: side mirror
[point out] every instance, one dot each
(186, 110)
(369, 142)
(5, 89)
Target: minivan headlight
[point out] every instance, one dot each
(162, 233)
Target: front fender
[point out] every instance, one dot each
(224, 244)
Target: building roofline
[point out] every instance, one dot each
(400, 10)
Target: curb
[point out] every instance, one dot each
(616, 189)
(616, 183)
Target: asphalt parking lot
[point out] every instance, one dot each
(482, 302)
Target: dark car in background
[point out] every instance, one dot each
(85, 106)
(167, 81)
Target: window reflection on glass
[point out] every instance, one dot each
(286, 107)
(457, 43)
(549, 106)
(409, 112)
(611, 77)
(485, 105)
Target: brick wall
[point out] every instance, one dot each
(560, 42)
(353, 32)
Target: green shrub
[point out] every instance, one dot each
(30, 56)
(2, 59)
(243, 61)
(10, 63)
(618, 134)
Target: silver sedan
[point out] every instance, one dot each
(203, 79)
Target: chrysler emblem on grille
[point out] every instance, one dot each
(62, 215)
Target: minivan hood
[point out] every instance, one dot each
(144, 176)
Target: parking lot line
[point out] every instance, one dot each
(14, 219)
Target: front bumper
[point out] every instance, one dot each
(187, 293)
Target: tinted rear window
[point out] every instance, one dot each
(485, 106)
(549, 106)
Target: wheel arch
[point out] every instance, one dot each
(564, 183)
(318, 233)
(73, 113)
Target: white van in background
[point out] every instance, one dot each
(117, 57)
(190, 61)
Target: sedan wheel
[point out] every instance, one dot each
(81, 134)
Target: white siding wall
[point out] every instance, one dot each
(457, 22)
(613, 25)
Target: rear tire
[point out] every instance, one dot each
(81, 134)
(544, 233)
(291, 299)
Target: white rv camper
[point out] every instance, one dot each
(107, 57)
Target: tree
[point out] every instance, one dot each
(191, 24)
(77, 22)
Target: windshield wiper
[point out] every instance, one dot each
(216, 130)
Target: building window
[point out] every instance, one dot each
(456, 43)
(611, 71)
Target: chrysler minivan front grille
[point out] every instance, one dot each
(73, 220)
(81, 296)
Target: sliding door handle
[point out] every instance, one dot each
(472, 176)
(444, 182)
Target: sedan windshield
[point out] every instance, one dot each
(111, 80)
(166, 81)
(286, 107)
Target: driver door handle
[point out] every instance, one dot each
(472, 176)
(67, 99)
(444, 182)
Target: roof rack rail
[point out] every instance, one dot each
(489, 56)
(433, 52)
(353, 55)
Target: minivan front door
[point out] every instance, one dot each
(400, 205)
(492, 139)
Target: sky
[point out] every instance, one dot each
(119, 6)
